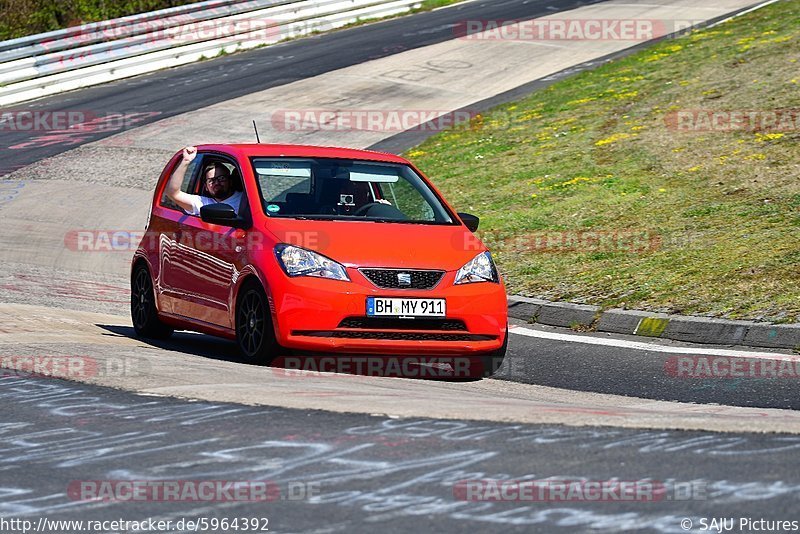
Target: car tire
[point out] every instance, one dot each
(144, 313)
(491, 363)
(255, 334)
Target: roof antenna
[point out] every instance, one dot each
(256, 129)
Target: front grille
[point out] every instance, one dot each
(389, 279)
(380, 323)
(395, 336)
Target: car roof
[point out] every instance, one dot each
(306, 151)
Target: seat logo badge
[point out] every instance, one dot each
(404, 279)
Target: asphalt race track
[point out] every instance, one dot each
(351, 472)
(344, 452)
(176, 91)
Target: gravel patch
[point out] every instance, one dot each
(130, 167)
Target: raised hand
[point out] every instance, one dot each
(189, 153)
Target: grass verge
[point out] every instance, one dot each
(588, 191)
(433, 4)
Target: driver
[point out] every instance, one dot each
(217, 180)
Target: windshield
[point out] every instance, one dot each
(337, 189)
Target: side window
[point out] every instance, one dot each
(186, 186)
(237, 182)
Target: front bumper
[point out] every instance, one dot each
(314, 314)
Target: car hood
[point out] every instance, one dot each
(373, 244)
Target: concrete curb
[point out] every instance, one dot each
(651, 324)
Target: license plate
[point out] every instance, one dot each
(398, 307)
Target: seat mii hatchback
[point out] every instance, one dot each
(330, 251)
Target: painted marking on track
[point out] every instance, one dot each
(638, 345)
(745, 12)
(9, 191)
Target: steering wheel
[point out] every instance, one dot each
(365, 208)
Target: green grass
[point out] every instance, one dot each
(433, 4)
(716, 214)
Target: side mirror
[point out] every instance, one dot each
(470, 221)
(222, 214)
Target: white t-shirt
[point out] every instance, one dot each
(199, 201)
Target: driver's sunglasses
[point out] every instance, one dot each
(219, 179)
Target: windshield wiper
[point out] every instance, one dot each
(398, 221)
(312, 217)
(383, 220)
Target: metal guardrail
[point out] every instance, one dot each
(60, 39)
(97, 32)
(45, 64)
(158, 34)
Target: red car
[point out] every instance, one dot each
(314, 250)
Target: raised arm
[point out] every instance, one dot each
(173, 188)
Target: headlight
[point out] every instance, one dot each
(480, 269)
(298, 261)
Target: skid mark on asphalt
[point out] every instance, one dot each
(67, 287)
(364, 470)
(23, 324)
